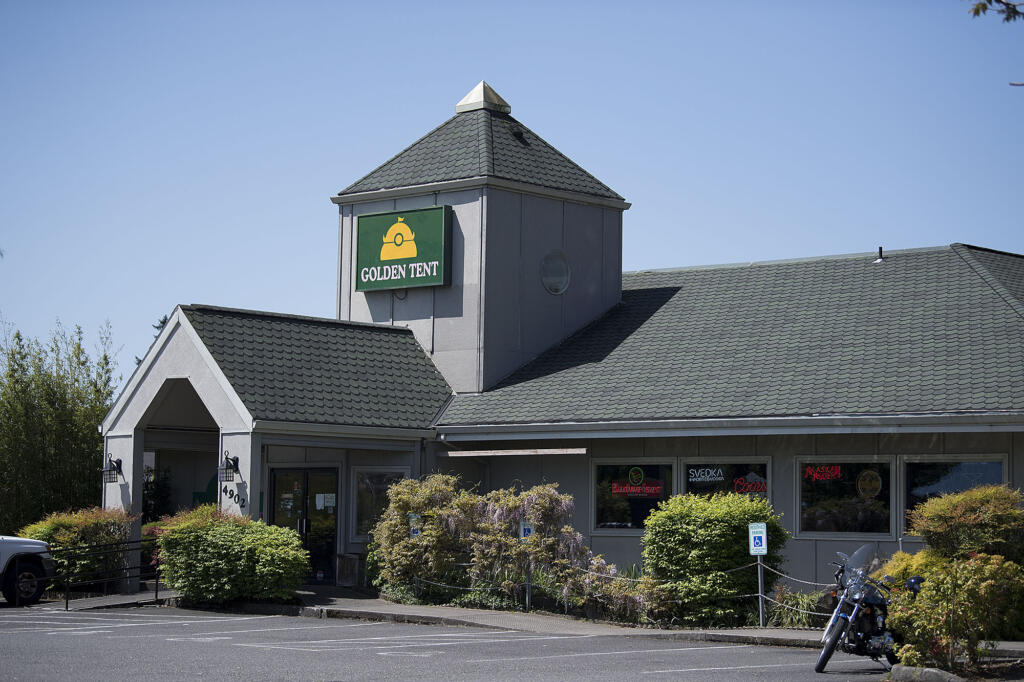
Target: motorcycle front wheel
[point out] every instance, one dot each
(831, 642)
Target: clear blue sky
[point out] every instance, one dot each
(161, 153)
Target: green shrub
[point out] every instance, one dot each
(213, 557)
(398, 559)
(987, 519)
(963, 606)
(796, 609)
(94, 526)
(902, 565)
(692, 541)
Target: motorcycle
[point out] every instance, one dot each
(858, 623)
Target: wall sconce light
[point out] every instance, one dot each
(228, 468)
(112, 471)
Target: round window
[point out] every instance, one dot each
(555, 272)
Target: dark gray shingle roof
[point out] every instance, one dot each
(316, 370)
(482, 143)
(925, 331)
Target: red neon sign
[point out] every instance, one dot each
(823, 472)
(742, 485)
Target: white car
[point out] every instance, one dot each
(25, 568)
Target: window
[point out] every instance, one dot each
(555, 272)
(625, 493)
(927, 477)
(845, 495)
(370, 496)
(726, 475)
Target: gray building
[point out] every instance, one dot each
(485, 328)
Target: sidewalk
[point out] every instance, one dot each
(333, 602)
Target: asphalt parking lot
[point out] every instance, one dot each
(162, 643)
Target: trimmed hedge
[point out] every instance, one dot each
(93, 526)
(988, 519)
(212, 557)
(694, 540)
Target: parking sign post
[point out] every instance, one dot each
(758, 533)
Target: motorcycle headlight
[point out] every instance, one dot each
(857, 595)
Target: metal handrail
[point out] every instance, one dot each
(75, 578)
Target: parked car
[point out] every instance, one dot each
(26, 566)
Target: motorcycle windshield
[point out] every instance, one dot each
(860, 561)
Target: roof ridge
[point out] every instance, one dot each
(203, 307)
(404, 150)
(784, 261)
(986, 275)
(487, 146)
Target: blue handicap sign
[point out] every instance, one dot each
(758, 541)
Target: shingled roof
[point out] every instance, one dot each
(482, 142)
(322, 371)
(936, 330)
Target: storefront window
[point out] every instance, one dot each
(706, 478)
(371, 496)
(626, 493)
(928, 479)
(845, 497)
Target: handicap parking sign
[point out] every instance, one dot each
(758, 539)
(525, 529)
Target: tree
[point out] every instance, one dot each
(159, 327)
(52, 400)
(1011, 11)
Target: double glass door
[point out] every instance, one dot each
(307, 500)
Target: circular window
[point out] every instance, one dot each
(555, 272)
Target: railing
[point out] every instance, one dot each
(528, 586)
(106, 565)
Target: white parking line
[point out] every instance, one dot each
(741, 667)
(608, 653)
(116, 624)
(368, 646)
(235, 632)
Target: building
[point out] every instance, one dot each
(485, 328)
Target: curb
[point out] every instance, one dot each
(906, 673)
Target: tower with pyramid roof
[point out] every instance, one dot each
(536, 243)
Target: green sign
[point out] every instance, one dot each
(404, 249)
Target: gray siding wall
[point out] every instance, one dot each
(521, 318)
(445, 320)
(807, 558)
(496, 316)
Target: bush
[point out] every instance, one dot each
(445, 513)
(212, 557)
(469, 552)
(692, 541)
(902, 565)
(795, 609)
(94, 526)
(987, 520)
(963, 606)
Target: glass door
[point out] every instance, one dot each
(307, 501)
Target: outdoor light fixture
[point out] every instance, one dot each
(227, 470)
(112, 472)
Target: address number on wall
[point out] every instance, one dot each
(234, 497)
